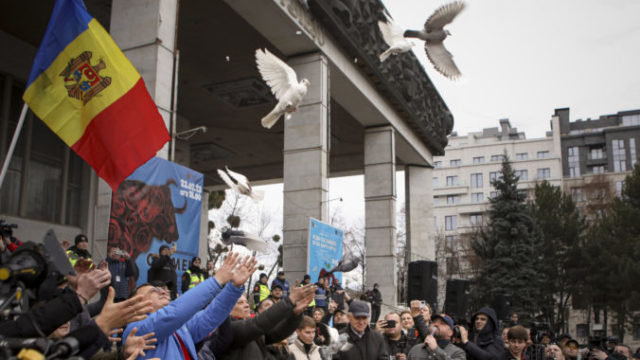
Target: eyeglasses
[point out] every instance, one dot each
(158, 290)
(572, 347)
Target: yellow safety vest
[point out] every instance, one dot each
(264, 292)
(73, 257)
(194, 279)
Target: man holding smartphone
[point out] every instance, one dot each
(397, 341)
(121, 270)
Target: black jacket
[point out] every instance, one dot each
(251, 336)
(162, 269)
(370, 346)
(487, 344)
(48, 317)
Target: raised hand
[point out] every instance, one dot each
(136, 345)
(87, 285)
(223, 275)
(242, 273)
(301, 292)
(117, 315)
(303, 304)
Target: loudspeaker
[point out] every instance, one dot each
(501, 306)
(455, 303)
(423, 282)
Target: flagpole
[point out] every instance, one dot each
(14, 141)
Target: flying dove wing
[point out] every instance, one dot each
(444, 15)
(257, 195)
(392, 33)
(250, 241)
(275, 72)
(442, 59)
(223, 175)
(241, 179)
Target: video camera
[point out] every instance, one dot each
(22, 273)
(6, 229)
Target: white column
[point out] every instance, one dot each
(380, 210)
(419, 212)
(305, 163)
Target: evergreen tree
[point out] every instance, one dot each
(509, 248)
(612, 255)
(561, 227)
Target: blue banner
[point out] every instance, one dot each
(325, 249)
(159, 204)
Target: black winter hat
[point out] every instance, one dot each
(80, 238)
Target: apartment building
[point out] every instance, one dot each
(597, 155)
(462, 186)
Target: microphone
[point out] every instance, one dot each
(40, 344)
(74, 342)
(434, 331)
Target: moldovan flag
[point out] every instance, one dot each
(84, 88)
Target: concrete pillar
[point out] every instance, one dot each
(305, 163)
(419, 213)
(145, 30)
(380, 210)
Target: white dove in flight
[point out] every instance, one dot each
(393, 35)
(284, 85)
(239, 237)
(240, 185)
(433, 34)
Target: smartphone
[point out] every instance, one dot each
(390, 324)
(422, 304)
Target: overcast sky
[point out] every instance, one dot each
(523, 59)
(520, 60)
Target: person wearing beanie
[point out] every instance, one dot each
(79, 249)
(162, 269)
(484, 341)
(260, 290)
(193, 276)
(284, 284)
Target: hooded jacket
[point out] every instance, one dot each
(487, 343)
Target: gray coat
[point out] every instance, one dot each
(450, 352)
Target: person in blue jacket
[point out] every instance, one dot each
(180, 324)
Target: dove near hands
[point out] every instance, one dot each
(283, 81)
(434, 34)
(240, 184)
(393, 35)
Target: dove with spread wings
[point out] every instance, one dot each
(393, 35)
(240, 184)
(433, 35)
(284, 84)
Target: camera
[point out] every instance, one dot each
(6, 229)
(390, 324)
(456, 332)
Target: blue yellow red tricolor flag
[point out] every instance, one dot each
(84, 88)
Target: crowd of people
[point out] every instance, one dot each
(212, 318)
